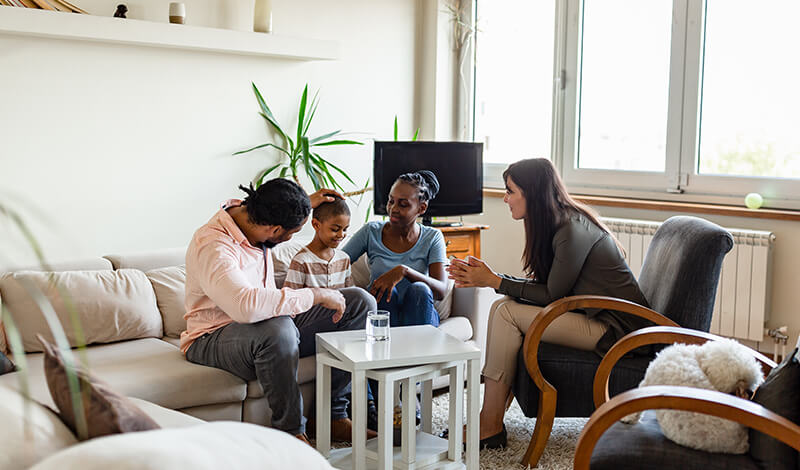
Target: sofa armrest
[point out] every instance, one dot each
(474, 303)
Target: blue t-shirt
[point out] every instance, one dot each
(429, 249)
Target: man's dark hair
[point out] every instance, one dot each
(326, 210)
(278, 201)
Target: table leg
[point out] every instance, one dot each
(385, 434)
(455, 421)
(473, 416)
(409, 433)
(427, 406)
(323, 408)
(359, 407)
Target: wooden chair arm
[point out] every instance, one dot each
(653, 335)
(534, 334)
(708, 402)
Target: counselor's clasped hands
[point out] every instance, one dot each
(472, 272)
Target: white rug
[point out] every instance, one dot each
(557, 455)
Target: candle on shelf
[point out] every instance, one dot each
(262, 16)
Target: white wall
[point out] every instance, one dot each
(109, 148)
(502, 245)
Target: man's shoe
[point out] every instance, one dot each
(342, 431)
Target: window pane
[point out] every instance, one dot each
(750, 124)
(514, 79)
(624, 85)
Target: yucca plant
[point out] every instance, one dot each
(15, 339)
(299, 151)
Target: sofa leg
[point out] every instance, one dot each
(544, 425)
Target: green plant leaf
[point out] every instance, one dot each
(302, 113)
(262, 146)
(284, 171)
(310, 116)
(341, 172)
(266, 113)
(395, 127)
(323, 137)
(416, 134)
(339, 142)
(260, 179)
(322, 164)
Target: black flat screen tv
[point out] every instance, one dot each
(457, 165)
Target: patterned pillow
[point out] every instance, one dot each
(106, 411)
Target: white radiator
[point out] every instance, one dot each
(742, 303)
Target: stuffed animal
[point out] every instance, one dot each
(722, 365)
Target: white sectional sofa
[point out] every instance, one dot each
(131, 310)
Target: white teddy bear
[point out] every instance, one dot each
(722, 365)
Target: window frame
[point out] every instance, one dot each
(680, 181)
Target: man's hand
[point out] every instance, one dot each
(473, 272)
(332, 299)
(386, 282)
(324, 195)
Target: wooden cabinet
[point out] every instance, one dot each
(463, 241)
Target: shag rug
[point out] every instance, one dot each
(557, 455)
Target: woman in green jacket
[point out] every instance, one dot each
(568, 251)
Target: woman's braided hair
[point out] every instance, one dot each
(425, 181)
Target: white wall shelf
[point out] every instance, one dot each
(60, 25)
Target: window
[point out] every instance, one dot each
(513, 81)
(692, 100)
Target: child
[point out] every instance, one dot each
(320, 264)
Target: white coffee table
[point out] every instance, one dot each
(413, 354)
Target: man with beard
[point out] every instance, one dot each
(239, 321)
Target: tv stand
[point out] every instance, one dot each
(441, 223)
(463, 240)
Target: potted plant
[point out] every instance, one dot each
(298, 152)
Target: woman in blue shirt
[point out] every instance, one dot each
(406, 259)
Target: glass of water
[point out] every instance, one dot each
(377, 325)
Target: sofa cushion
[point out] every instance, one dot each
(209, 446)
(106, 411)
(164, 417)
(111, 305)
(46, 434)
(169, 285)
(642, 445)
(149, 369)
(149, 260)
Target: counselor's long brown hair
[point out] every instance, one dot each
(548, 205)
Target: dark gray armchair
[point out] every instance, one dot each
(679, 280)
(607, 444)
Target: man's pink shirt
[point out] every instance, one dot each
(229, 280)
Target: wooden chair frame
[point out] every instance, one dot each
(709, 402)
(547, 393)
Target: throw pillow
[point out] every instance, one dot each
(6, 365)
(169, 285)
(780, 393)
(106, 411)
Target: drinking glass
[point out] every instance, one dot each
(377, 325)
